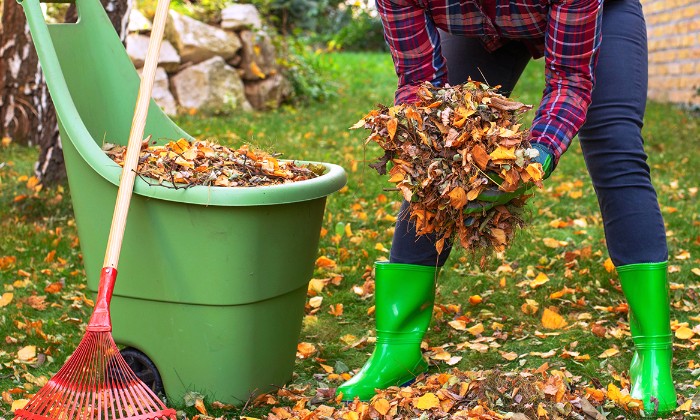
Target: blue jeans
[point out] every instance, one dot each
(611, 137)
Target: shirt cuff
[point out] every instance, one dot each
(406, 94)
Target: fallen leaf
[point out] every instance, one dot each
(609, 266)
(530, 307)
(476, 329)
(199, 405)
(426, 401)
(609, 353)
(552, 320)
(53, 287)
(684, 333)
(5, 299)
(26, 353)
(539, 280)
(554, 243)
(19, 404)
(304, 350)
(324, 262)
(458, 324)
(382, 406)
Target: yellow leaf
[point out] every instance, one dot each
(552, 320)
(609, 266)
(510, 356)
(686, 406)
(382, 406)
(5, 299)
(5, 141)
(503, 153)
(695, 271)
(609, 353)
(541, 412)
(32, 182)
(535, 171)
(256, 70)
(684, 333)
(475, 299)
(426, 401)
(476, 329)
(18, 404)
(458, 197)
(561, 293)
(348, 339)
(396, 177)
(316, 286)
(391, 126)
(26, 353)
(305, 350)
(380, 247)
(458, 324)
(553, 243)
(539, 280)
(530, 307)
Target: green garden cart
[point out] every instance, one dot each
(213, 280)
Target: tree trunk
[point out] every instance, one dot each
(23, 99)
(26, 111)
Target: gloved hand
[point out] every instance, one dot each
(492, 197)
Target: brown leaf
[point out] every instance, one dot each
(458, 197)
(481, 158)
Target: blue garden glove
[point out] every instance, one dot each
(492, 197)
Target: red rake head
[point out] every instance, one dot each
(95, 383)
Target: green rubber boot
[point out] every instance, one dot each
(404, 297)
(646, 288)
(635, 365)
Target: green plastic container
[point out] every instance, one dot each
(212, 281)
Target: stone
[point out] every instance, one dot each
(269, 93)
(258, 55)
(196, 41)
(240, 16)
(138, 23)
(161, 92)
(137, 45)
(210, 86)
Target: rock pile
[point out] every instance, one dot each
(213, 69)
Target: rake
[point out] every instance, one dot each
(96, 382)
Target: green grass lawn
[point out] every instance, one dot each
(43, 302)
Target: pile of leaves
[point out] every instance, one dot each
(182, 163)
(530, 394)
(450, 146)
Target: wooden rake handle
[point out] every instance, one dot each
(126, 185)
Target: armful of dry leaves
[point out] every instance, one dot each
(452, 145)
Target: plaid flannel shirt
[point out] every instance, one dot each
(565, 32)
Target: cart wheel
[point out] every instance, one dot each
(144, 369)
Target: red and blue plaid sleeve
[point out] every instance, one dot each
(571, 48)
(415, 46)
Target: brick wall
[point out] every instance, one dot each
(673, 28)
